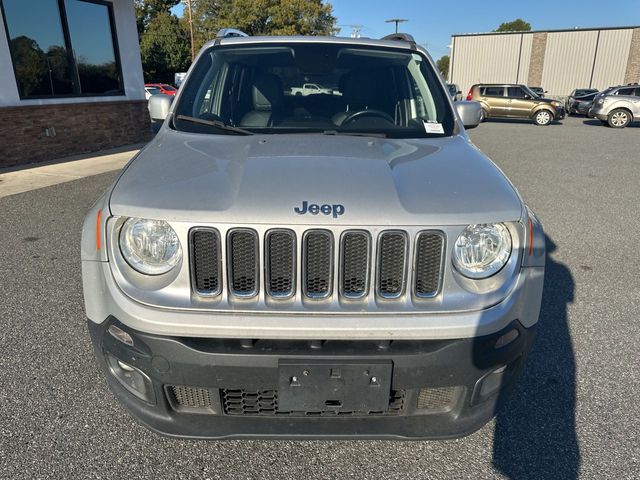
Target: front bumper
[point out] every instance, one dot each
(598, 112)
(437, 388)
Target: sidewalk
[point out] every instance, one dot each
(24, 178)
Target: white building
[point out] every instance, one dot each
(70, 78)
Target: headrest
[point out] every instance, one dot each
(359, 87)
(267, 92)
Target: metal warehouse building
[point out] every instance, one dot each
(557, 60)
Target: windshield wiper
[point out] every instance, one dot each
(355, 134)
(215, 123)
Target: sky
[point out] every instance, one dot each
(433, 22)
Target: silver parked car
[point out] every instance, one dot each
(312, 266)
(617, 107)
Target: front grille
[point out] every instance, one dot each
(243, 259)
(428, 255)
(315, 262)
(191, 397)
(392, 257)
(318, 263)
(435, 398)
(265, 403)
(245, 402)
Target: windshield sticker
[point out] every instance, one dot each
(433, 127)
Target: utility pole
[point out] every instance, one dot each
(396, 21)
(193, 46)
(355, 30)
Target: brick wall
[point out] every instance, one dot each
(536, 63)
(632, 74)
(79, 128)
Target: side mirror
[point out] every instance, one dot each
(470, 113)
(159, 106)
(527, 96)
(459, 92)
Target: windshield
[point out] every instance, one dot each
(310, 88)
(585, 91)
(530, 92)
(153, 90)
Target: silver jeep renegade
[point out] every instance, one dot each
(338, 265)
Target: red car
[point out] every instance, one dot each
(164, 88)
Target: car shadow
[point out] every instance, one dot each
(594, 122)
(535, 436)
(525, 121)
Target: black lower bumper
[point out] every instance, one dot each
(220, 388)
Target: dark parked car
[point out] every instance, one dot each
(577, 93)
(454, 92)
(538, 91)
(580, 105)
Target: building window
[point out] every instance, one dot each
(63, 48)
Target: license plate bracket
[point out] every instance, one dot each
(319, 386)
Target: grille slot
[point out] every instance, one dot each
(280, 247)
(318, 263)
(355, 264)
(191, 397)
(428, 264)
(243, 262)
(265, 403)
(392, 257)
(206, 267)
(435, 398)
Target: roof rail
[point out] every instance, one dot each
(230, 32)
(400, 37)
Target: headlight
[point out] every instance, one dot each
(482, 250)
(150, 246)
(600, 101)
(556, 104)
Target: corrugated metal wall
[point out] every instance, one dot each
(525, 59)
(490, 59)
(568, 61)
(612, 57)
(572, 59)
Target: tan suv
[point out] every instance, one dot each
(515, 101)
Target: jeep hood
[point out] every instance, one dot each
(262, 178)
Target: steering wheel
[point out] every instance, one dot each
(352, 117)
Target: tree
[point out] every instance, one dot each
(517, 25)
(443, 65)
(164, 48)
(147, 10)
(263, 17)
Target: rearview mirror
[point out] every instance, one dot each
(159, 106)
(470, 113)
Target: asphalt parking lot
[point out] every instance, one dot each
(575, 412)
